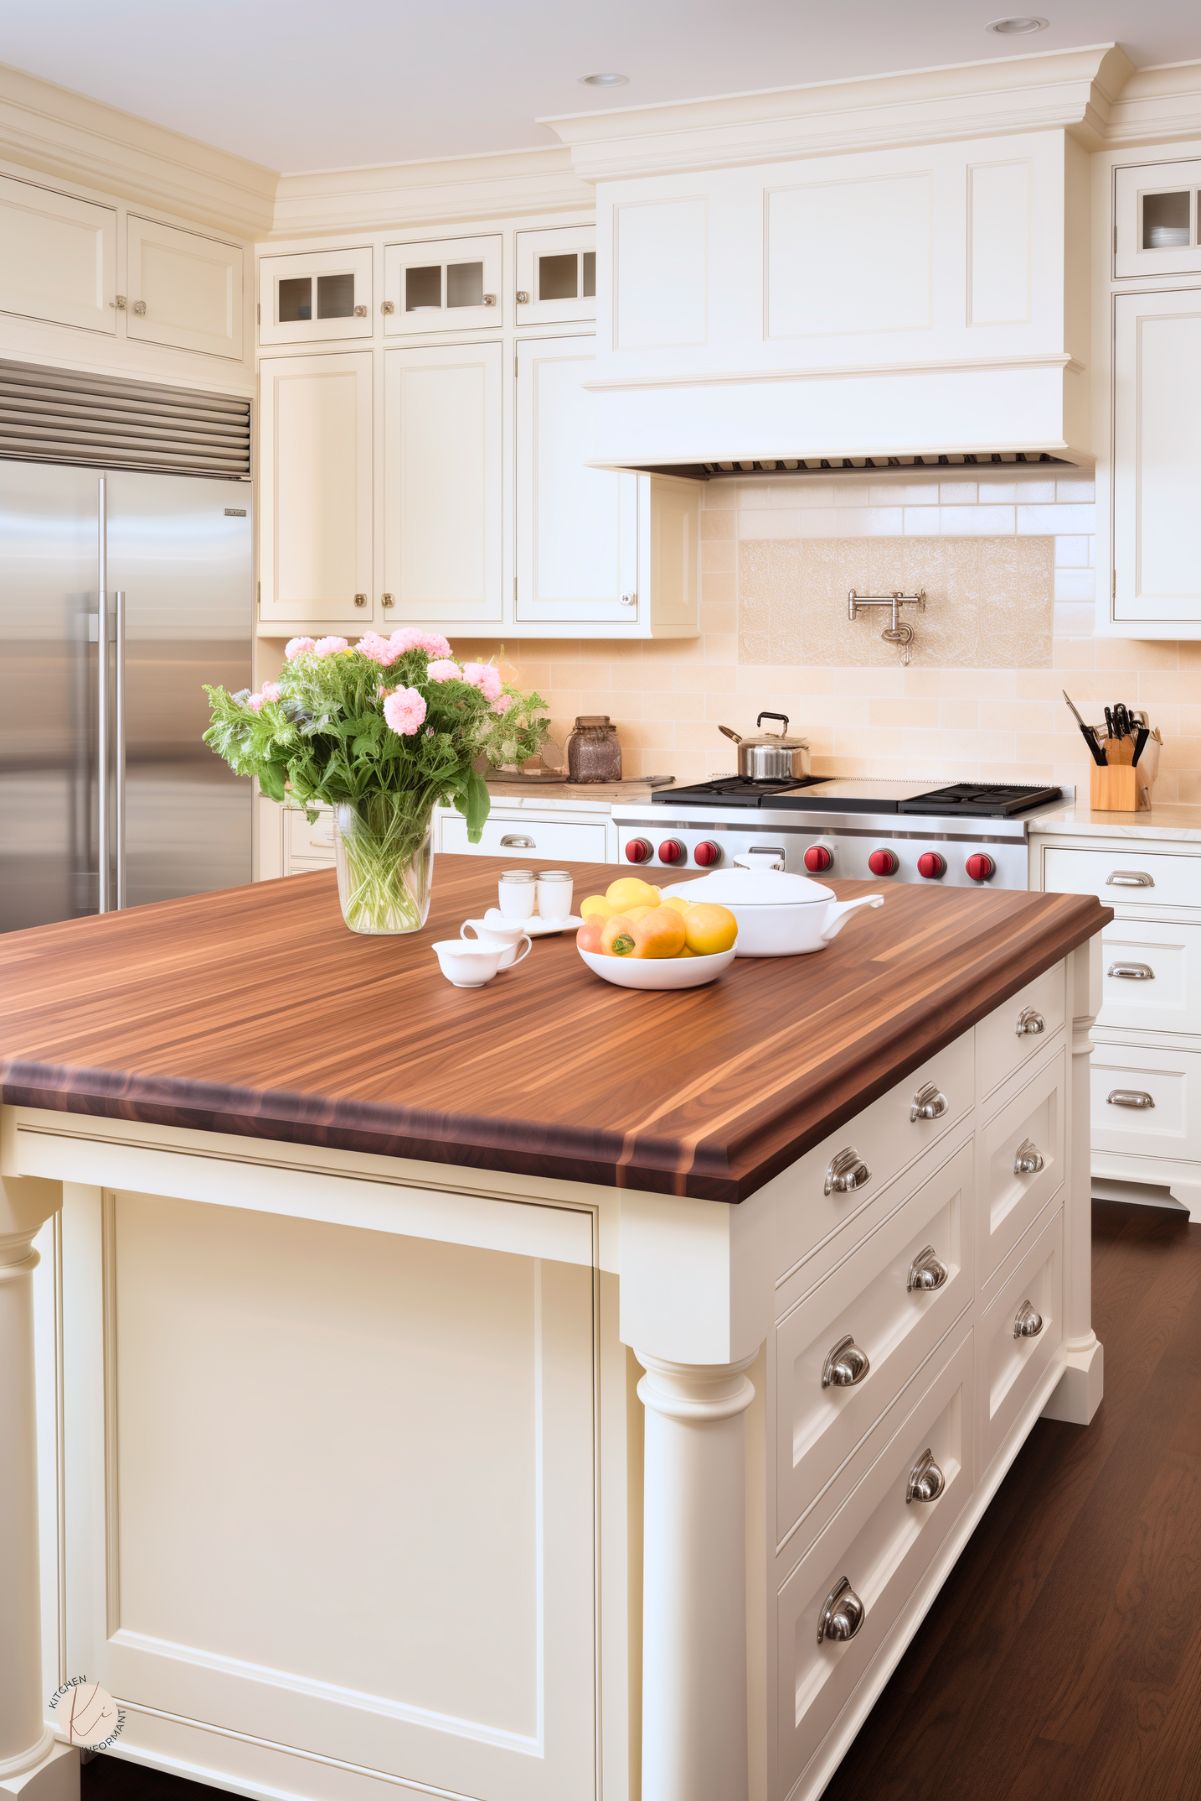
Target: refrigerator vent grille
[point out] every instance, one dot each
(65, 416)
(844, 465)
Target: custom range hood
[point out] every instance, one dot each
(768, 306)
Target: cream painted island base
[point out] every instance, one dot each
(364, 1477)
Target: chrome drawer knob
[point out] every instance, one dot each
(928, 1103)
(1129, 878)
(846, 1173)
(1028, 1160)
(926, 1272)
(1131, 972)
(845, 1365)
(1031, 1023)
(1027, 1321)
(842, 1615)
(926, 1481)
(1137, 1098)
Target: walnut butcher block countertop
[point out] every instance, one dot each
(256, 1012)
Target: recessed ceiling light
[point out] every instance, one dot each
(1016, 28)
(607, 79)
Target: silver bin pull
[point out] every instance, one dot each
(842, 1615)
(1028, 1160)
(928, 1103)
(1027, 1321)
(1031, 1023)
(515, 841)
(1129, 878)
(846, 1173)
(927, 1272)
(926, 1481)
(1136, 1098)
(1131, 972)
(846, 1365)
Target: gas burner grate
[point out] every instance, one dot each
(732, 791)
(982, 800)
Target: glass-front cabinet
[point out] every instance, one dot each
(319, 295)
(1158, 218)
(450, 284)
(556, 275)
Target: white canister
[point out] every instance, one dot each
(554, 895)
(516, 893)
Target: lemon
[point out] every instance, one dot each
(596, 903)
(631, 891)
(709, 929)
(680, 902)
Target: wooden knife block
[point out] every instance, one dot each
(1119, 788)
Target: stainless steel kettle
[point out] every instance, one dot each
(772, 756)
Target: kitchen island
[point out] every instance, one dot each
(537, 1393)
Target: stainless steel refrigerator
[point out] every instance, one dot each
(121, 592)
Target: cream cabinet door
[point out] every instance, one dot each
(315, 460)
(577, 528)
(58, 257)
(449, 284)
(1157, 458)
(322, 294)
(1157, 218)
(442, 484)
(185, 289)
(556, 275)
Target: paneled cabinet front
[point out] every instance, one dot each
(442, 484)
(1157, 218)
(315, 459)
(451, 284)
(58, 257)
(1157, 459)
(577, 528)
(185, 289)
(324, 294)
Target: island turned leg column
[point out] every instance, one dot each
(32, 1765)
(1078, 1392)
(694, 1621)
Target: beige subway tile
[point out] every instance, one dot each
(719, 556)
(1070, 519)
(958, 492)
(718, 523)
(1075, 487)
(1002, 491)
(1073, 552)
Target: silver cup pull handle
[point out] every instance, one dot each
(1136, 1098)
(842, 1615)
(846, 1365)
(926, 1480)
(1129, 878)
(927, 1272)
(929, 1102)
(1031, 1023)
(1028, 1160)
(846, 1173)
(1027, 1321)
(515, 841)
(1131, 972)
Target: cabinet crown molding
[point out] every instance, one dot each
(52, 131)
(1094, 92)
(449, 189)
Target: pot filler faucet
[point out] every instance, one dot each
(897, 631)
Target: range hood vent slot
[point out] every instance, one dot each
(60, 416)
(978, 459)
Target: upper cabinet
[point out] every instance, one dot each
(58, 257)
(556, 275)
(315, 486)
(185, 289)
(1157, 219)
(1157, 462)
(443, 482)
(319, 295)
(450, 284)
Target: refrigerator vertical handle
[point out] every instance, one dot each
(119, 742)
(104, 892)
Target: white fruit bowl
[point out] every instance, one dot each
(657, 972)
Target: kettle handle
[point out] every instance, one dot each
(760, 859)
(782, 717)
(841, 911)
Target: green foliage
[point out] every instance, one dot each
(520, 732)
(320, 734)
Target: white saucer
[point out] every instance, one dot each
(535, 927)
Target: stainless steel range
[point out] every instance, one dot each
(961, 835)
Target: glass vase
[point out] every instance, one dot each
(385, 860)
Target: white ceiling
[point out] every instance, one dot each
(320, 84)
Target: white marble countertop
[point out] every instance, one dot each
(582, 797)
(1171, 820)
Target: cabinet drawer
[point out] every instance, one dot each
(880, 1542)
(869, 1150)
(1012, 1362)
(559, 840)
(1151, 973)
(1146, 1102)
(1126, 877)
(1019, 1028)
(1019, 1163)
(308, 844)
(868, 1298)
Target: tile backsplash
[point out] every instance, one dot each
(1009, 624)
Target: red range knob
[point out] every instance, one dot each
(931, 865)
(672, 851)
(981, 867)
(884, 862)
(706, 853)
(817, 857)
(638, 851)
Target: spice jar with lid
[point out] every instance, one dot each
(594, 750)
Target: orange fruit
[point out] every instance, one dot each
(660, 934)
(709, 929)
(617, 935)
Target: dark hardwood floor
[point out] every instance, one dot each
(1062, 1661)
